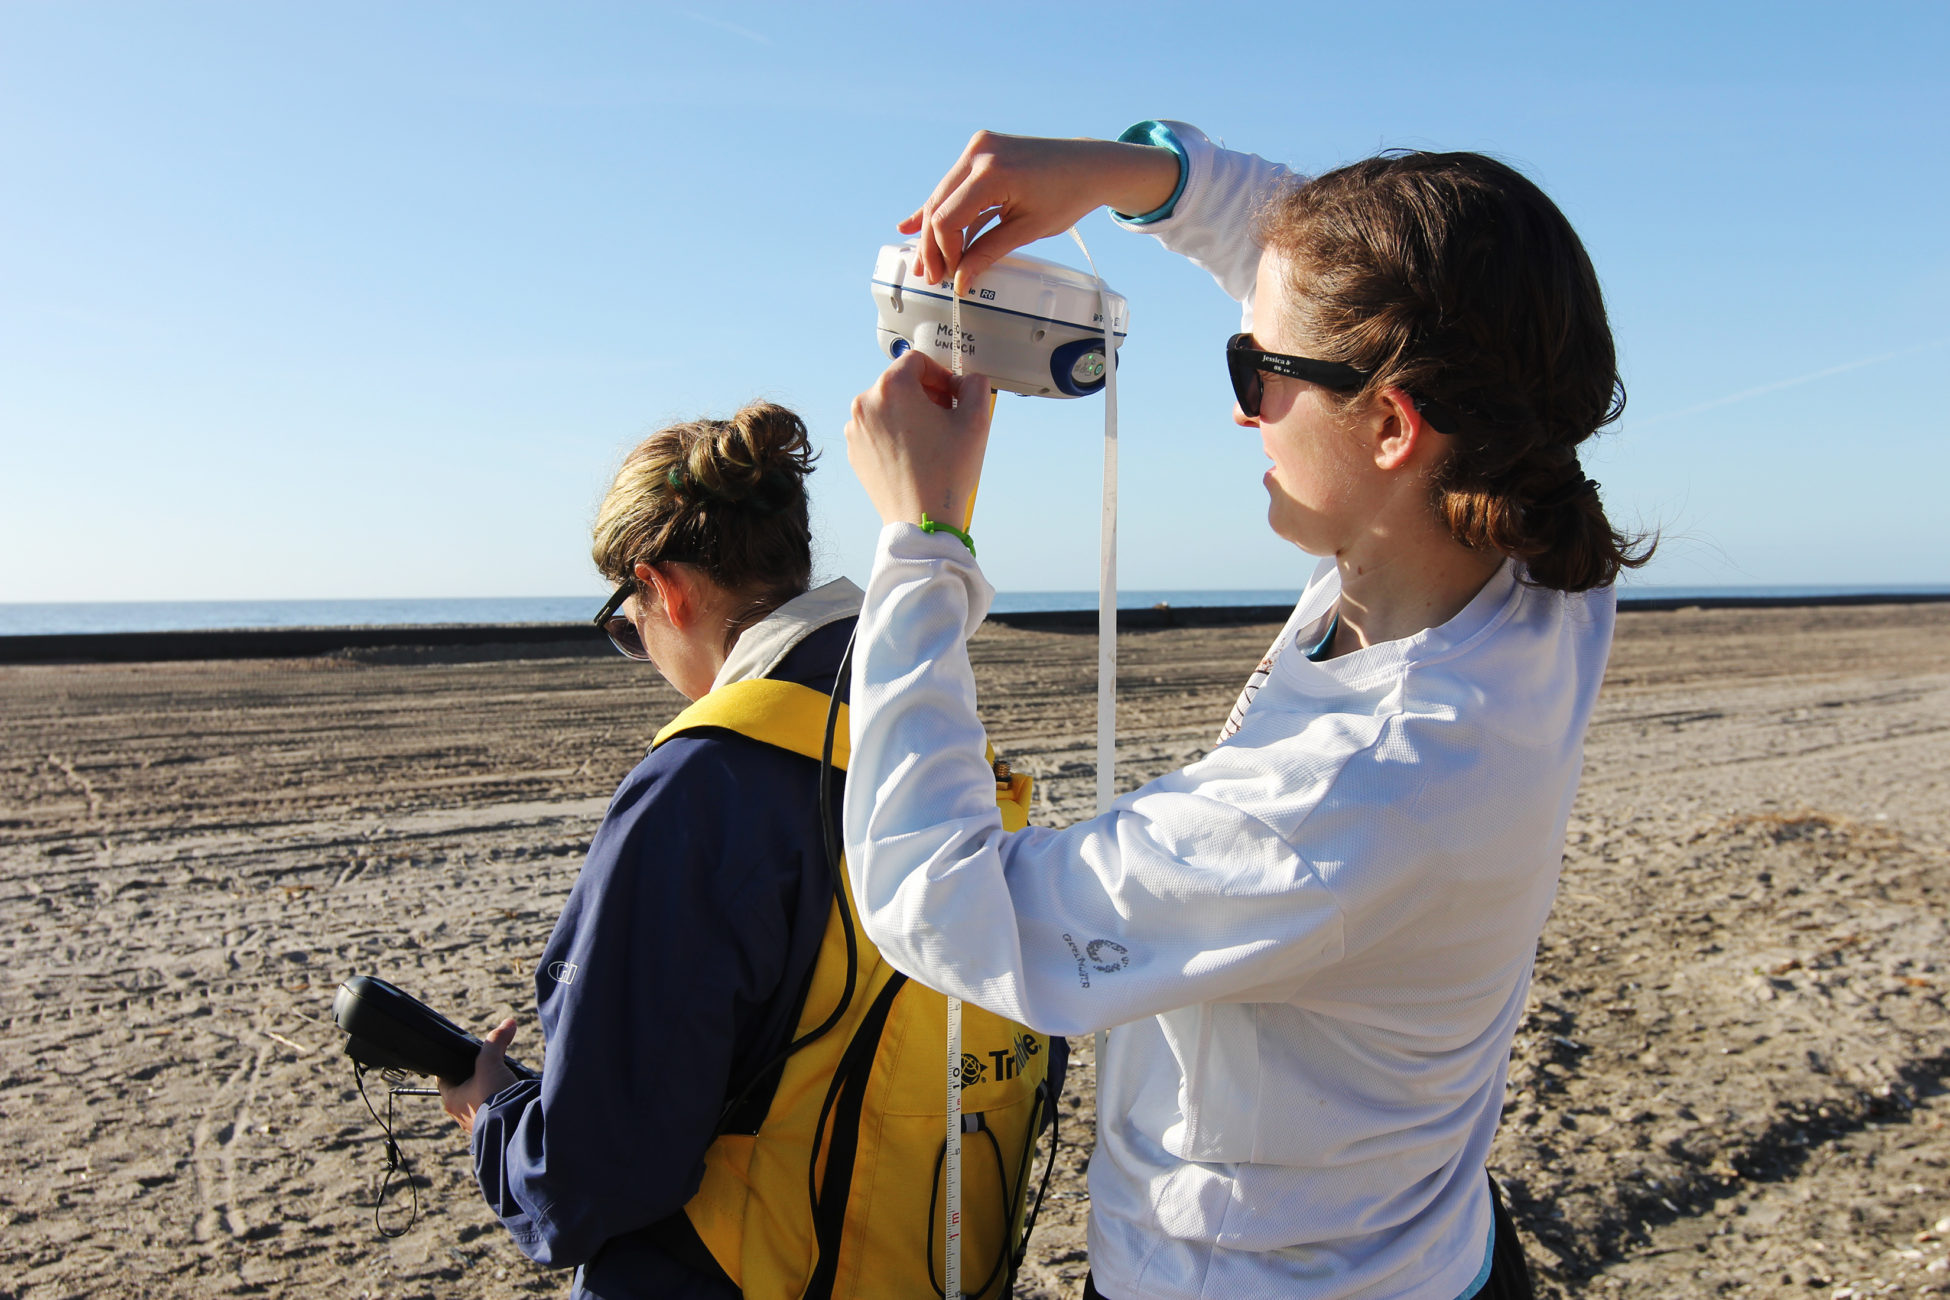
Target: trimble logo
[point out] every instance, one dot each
(1011, 1060)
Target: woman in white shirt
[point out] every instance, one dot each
(1313, 945)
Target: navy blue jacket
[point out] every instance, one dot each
(673, 975)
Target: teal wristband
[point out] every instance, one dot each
(930, 526)
(1158, 135)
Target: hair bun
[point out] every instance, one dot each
(727, 495)
(775, 490)
(760, 457)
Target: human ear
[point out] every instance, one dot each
(1400, 430)
(673, 592)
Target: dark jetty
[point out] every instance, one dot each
(451, 643)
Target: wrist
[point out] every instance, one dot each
(923, 509)
(1148, 173)
(959, 534)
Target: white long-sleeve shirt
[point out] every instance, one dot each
(1314, 943)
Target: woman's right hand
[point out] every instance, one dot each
(916, 441)
(1032, 187)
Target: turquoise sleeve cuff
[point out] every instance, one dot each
(1158, 134)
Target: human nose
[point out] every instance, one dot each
(1244, 421)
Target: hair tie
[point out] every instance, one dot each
(1570, 491)
(681, 478)
(775, 491)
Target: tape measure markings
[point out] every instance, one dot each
(951, 1154)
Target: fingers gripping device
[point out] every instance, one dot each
(1033, 327)
(393, 1033)
(388, 1029)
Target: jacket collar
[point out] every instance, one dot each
(761, 646)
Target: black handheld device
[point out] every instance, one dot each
(386, 1029)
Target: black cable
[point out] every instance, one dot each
(1049, 1166)
(819, 1138)
(934, 1203)
(1008, 1203)
(832, 841)
(396, 1162)
(830, 836)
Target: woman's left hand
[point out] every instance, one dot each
(916, 441)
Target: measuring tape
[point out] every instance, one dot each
(951, 1157)
(1106, 740)
(1106, 601)
(1106, 563)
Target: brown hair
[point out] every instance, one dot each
(728, 496)
(1453, 278)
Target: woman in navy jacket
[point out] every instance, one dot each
(673, 975)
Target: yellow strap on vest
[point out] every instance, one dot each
(751, 1210)
(792, 717)
(785, 715)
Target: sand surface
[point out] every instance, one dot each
(1731, 1079)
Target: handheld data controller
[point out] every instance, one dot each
(387, 1029)
(1033, 327)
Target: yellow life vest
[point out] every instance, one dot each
(837, 1195)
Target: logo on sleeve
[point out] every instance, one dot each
(563, 972)
(1098, 953)
(1096, 950)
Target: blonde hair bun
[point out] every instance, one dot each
(758, 458)
(728, 496)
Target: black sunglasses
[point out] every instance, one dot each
(621, 628)
(1246, 363)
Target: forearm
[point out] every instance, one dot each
(495, 1138)
(1129, 178)
(1212, 221)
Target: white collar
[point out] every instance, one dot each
(761, 646)
(1380, 661)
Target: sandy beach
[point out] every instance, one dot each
(1731, 1079)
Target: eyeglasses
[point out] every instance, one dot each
(620, 627)
(1247, 363)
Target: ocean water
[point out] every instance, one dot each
(206, 615)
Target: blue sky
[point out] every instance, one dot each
(363, 300)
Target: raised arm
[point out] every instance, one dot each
(1096, 925)
(1030, 188)
(1161, 178)
(1184, 893)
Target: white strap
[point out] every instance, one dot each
(1106, 588)
(951, 1152)
(1106, 559)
